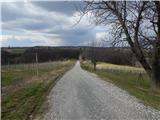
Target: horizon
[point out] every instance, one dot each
(63, 46)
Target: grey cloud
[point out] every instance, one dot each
(10, 11)
(65, 7)
(35, 26)
(77, 36)
(46, 18)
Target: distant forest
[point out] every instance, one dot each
(28, 55)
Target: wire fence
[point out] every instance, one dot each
(29, 66)
(138, 75)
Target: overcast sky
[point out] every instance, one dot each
(46, 24)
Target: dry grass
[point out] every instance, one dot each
(120, 67)
(23, 93)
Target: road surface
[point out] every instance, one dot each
(80, 95)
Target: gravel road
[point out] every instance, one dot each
(80, 95)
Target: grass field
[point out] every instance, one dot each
(15, 50)
(123, 68)
(132, 79)
(24, 93)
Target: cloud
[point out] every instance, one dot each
(34, 40)
(65, 7)
(100, 35)
(45, 23)
(10, 12)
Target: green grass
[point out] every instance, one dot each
(20, 102)
(136, 85)
(13, 76)
(15, 50)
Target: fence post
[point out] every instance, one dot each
(36, 64)
(8, 65)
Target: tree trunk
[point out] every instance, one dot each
(156, 66)
(156, 55)
(155, 77)
(94, 65)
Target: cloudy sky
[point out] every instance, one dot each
(46, 24)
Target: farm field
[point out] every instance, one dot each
(123, 68)
(132, 79)
(25, 87)
(15, 50)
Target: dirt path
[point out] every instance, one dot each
(80, 95)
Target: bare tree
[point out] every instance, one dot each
(135, 23)
(92, 52)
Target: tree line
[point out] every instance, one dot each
(122, 56)
(44, 54)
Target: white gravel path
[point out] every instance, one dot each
(80, 95)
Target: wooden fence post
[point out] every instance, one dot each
(37, 64)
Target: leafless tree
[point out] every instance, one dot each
(134, 23)
(92, 52)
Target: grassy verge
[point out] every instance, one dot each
(136, 83)
(23, 93)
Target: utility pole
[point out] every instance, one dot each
(36, 64)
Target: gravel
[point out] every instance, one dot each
(80, 95)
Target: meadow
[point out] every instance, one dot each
(25, 87)
(132, 79)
